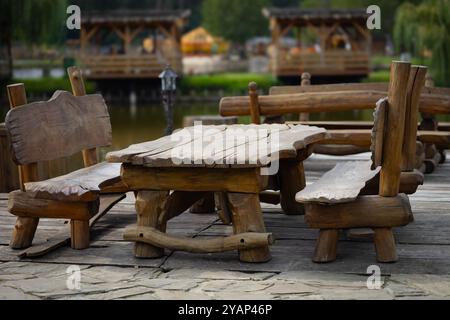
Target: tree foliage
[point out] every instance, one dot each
(426, 27)
(235, 20)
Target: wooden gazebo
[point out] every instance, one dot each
(329, 42)
(131, 44)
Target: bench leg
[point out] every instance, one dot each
(247, 217)
(149, 206)
(385, 245)
(443, 156)
(326, 246)
(205, 205)
(291, 180)
(23, 233)
(79, 234)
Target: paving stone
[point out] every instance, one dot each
(8, 293)
(179, 295)
(352, 294)
(398, 290)
(169, 284)
(217, 275)
(291, 288)
(117, 294)
(234, 286)
(430, 284)
(117, 274)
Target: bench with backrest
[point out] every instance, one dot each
(355, 136)
(338, 200)
(58, 128)
(350, 137)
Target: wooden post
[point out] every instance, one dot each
(415, 86)
(25, 228)
(149, 206)
(78, 89)
(326, 246)
(291, 177)
(247, 217)
(393, 143)
(254, 103)
(306, 81)
(79, 234)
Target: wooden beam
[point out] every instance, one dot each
(393, 142)
(366, 211)
(243, 241)
(254, 104)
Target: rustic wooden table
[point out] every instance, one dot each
(236, 162)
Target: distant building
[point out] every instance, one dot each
(201, 42)
(131, 44)
(329, 42)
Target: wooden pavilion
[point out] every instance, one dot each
(131, 44)
(329, 42)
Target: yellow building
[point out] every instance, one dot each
(201, 42)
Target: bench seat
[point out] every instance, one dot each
(342, 184)
(83, 185)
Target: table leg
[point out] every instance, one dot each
(247, 217)
(149, 206)
(291, 177)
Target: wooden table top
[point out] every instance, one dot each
(222, 146)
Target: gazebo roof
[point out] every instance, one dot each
(134, 16)
(300, 16)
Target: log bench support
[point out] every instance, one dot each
(237, 193)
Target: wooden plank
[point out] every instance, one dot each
(81, 185)
(340, 185)
(365, 211)
(245, 180)
(23, 205)
(71, 125)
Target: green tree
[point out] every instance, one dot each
(30, 21)
(235, 20)
(426, 27)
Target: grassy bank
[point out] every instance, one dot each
(47, 85)
(227, 82)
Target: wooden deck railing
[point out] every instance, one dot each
(123, 66)
(333, 63)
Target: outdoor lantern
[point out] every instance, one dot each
(168, 80)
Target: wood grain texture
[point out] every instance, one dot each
(385, 247)
(243, 241)
(326, 246)
(291, 177)
(247, 217)
(82, 185)
(254, 103)
(23, 204)
(415, 85)
(394, 139)
(315, 102)
(341, 185)
(365, 211)
(378, 132)
(63, 126)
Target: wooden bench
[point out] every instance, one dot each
(58, 128)
(338, 200)
(434, 152)
(306, 99)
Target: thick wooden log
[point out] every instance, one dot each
(90, 157)
(204, 205)
(223, 209)
(178, 203)
(326, 246)
(324, 102)
(25, 227)
(393, 145)
(366, 211)
(409, 182)
(291, 177)
(246, 180)
(432, 163)
(155, 238)
(270, 197)
(385, 248)
(415, 85)
(254, 103)
(23, 204)
(247, 217)
(149, 206)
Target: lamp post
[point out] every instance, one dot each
(168, 87)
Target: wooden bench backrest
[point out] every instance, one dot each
(58, 128)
